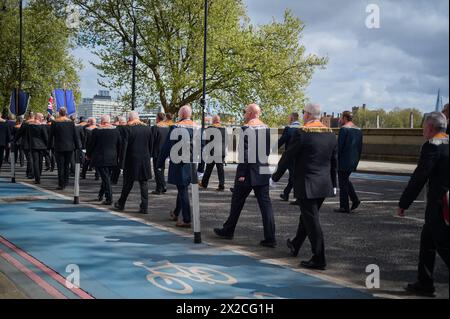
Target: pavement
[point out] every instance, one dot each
(124, 255)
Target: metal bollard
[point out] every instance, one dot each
(76, 188)
(13, 165)
(195, 204)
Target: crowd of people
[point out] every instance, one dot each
(316, 160)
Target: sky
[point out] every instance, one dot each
(402, 63)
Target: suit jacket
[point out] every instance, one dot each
(160, 133)
(23, 136)
(38, 135)
(179, 173)
(222, 144)
(5, 133)
(314, 149)
(105, 146)
(138, 150)
(350, 143)
(432, 169)
(63, 136)
(251, 166)
(288, 132)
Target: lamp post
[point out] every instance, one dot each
(205, 50)
(133, 66)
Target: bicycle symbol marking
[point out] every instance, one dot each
(168, 276)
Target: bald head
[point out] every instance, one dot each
(252, 111)
(39, 117)
(105, 119)
(133, 116)
(92, 121)
(185, 112)
(216, 119)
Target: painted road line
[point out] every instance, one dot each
(30, 274)
(376, 202)
(387, 178)
(230, 247)
(50, 272)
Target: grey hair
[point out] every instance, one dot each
(314, 110)
(121, 119)
(133, 116)
(437, 120)
(105, 119)
(92, 120)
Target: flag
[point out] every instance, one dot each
(65, 98)
(50, 105)
(23, 99)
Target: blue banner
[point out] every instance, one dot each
(65, 98)
(22, 106)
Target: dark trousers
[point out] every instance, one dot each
(208, 172)
(2, 154)
(183, 205)
(49, 160)
(37, 156)
(128, 186)
(238, 199)
(7, 153)
(159, 177)
(346, 190)
(18, 155)
(287, 191)
(106, 188)
(29, 159)
(309, 227)
(115, 174)
(63, 160)
(434, 239)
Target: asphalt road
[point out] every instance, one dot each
(373, 235)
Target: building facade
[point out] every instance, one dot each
(101, 104)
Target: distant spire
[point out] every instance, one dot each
(439, 103)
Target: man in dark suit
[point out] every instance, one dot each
(138, 150)
(446, 113)
(432, 169)
(104, 152)
(24, 137)
(38, 134)
(121, 125)
(90, 126)
(65, 140)
(160, 133)
(180, 169)
(350, 144)
(284, 140)
(314, 149)
(5, 138)
(216, 127)
(252, 174)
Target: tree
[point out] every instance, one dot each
(265, 64)
(396, 118)
(47, 62)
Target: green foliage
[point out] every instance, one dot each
(47, 62)
(397, 118)
(265, 64)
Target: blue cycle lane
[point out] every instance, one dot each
(123, 258)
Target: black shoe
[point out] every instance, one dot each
(164, 191)
(232, 190)
(99, 198)
(220, 189)
(221, 234)
(60, 188)
(355, 205)
(418, 289)
(296, 203)
(268, 243)
(142, 211)
(119, 207)
(294, 250)
(342, 211)
(284, 198)
(107, 203)
(313, 265)
(37, 182)
(157, 193)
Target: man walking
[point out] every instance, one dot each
(65, 140)
(180, 170)
(284, 140)
(250, 175)
(216, 126)
(38, 134)
(432, 169)
(104, 152)
(5, 139)
(160, 133)
(314, 149)
(138, 146)
(350, 143)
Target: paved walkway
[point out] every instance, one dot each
(48, 239)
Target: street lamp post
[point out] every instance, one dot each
(133, 67)
(205, 50)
